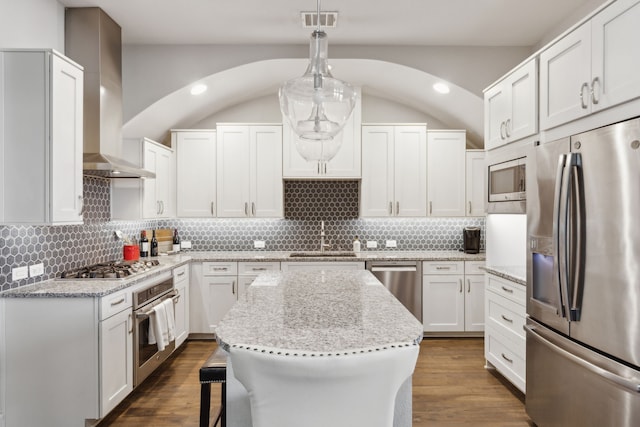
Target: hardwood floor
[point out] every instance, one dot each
(451, 388)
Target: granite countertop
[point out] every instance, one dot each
(78, 288)
(330, 312)
(359, 257)
(60, 288)
(517, 274)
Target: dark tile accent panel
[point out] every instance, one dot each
(306, 204)
(321, 200)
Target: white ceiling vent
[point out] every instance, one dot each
(327, 19)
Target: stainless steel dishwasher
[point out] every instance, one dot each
(404, 281)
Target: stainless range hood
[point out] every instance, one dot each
(93, 40)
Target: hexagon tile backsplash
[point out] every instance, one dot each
(306, 204)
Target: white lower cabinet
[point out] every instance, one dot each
(181, 284)
(505, 340)
(215, 288)
(76, 365)
(116, 356)
(452, 296)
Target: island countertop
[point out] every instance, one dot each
(320, 312)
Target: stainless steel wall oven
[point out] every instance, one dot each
(146, 356)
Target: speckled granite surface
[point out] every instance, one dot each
(517, 274)
(308, 311)
(77, 288)
(361, 256)
(97, 288)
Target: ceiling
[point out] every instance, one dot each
(367, 22)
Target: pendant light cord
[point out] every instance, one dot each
(318, 16)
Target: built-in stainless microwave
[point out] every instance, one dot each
(507, 186)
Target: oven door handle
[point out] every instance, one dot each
(173, 295)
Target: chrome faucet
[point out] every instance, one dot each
(322, 236)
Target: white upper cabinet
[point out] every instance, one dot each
(394, 171)
(346, 164)
(476, 183)
(446, 172)
(593, 67)
(195, 173)
(249, 171)
(147, 198)
(41, 141)
(511, 107)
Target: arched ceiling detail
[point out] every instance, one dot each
(460, 109)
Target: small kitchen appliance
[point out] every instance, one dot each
(471, 239)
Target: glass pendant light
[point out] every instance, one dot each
(317, 105)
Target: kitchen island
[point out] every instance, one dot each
(320, 313)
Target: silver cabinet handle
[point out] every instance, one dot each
(594, 100)
(502, 135)
(213, 208)
(469, 207)
(468, 286)
(253, 209)
(246, 209)
(443, 268)
(325, 168)
(506, 319)
(130, 323)
(584, 86)
(397, 208)
(220, 268)
(504, 288)
(120, 301)
(506, 358)
(430, 208)
(390, 208)
(507, 125)
(318, 168)
(162, 203)
(259, 269)
(180, 274)
(233, 287)
(460, 280)
(157, 207)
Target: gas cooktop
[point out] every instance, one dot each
(110, 270)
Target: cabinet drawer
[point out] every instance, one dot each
(115, 303)
(219, 268)
(473, 267)
(255, 268)
(506, 316)
(443, 267)
(508, 289)
(181, 273)
(508, 358)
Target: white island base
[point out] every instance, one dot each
(239, 409)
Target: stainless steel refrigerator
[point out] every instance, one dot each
(583, 279)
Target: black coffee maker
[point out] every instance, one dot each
(471, 239)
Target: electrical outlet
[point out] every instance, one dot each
(391, 244)
(258, 244)
(36, 270)
(372, 244)
(185, 244)
(20, 273)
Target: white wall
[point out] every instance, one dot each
(32, 24)
(152, 72)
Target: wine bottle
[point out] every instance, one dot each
(176, 241)
(144, 245)
(154, 244)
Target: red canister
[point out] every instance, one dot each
(131, 252)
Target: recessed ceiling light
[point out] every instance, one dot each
(441, 87)
(198, 89)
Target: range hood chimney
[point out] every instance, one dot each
(93, 40)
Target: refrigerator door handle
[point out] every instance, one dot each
(577, 249)
(630, 385)
(559, 231)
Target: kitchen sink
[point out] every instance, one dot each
(326, 254)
